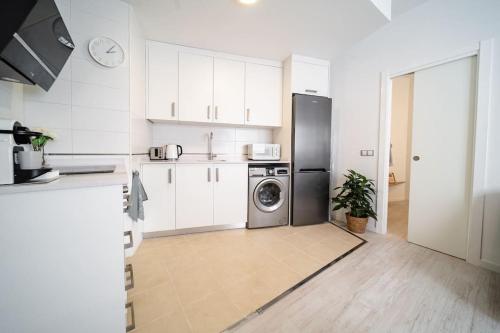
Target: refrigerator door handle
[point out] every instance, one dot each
(313, 170)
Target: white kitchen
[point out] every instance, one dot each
(208, 166)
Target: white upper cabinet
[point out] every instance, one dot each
(196, 78)
(310, 78)
(263, 95)
(194, 200)
(193, 85)
(162, 81)
(229, 91)
(159, 184)
(230, 194)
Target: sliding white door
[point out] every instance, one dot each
(441, 159)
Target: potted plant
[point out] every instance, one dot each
(356, 196)
(34, 159)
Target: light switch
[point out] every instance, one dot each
(365, 152)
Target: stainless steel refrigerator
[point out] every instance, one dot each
(311, 149)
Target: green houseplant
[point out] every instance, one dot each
(34, 159)
(356, 196)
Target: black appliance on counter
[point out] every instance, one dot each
(34, 42)
(311, 146)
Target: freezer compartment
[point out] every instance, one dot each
(310, 198)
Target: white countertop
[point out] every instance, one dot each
(69, 182)
(203, 161)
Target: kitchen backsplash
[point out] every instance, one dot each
(194, 138)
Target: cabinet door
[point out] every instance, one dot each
(195, 87)
(159, 210)
(263, 95)
(194, 204)
(229, 91)
(162, 82)
(230, 194)
(310, 79)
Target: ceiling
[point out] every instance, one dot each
(270, 29)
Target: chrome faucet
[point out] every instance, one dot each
(211, 154)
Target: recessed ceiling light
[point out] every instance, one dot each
(247, 2)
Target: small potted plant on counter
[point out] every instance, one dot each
(356, 196)
(34, 159)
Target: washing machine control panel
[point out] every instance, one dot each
(266, 171)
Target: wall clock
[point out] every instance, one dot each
(106, 52)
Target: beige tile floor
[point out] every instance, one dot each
(207, 282)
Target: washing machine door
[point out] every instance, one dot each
(269, 195)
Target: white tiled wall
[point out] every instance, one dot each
(140, 128)
(194, 138)
(88, 105)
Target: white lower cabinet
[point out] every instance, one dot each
(194, 196)
(159, 183)
(62, 260)
(230, 193)
(182, 196)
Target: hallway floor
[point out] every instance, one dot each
(389, 285)
(397, 219)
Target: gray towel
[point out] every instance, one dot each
(137, 196)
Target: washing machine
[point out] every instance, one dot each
(268, 187)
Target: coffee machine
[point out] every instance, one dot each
(15, 138)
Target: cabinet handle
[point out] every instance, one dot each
(129, 235)
(248, 114)
(170, 176)
(125, 188)
(217, 174)
(130, 307)
(172, 111)
(216, 112)
(312, 91)
(209, 175)
(208, 112)
(129, 279)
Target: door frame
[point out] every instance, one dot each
(484, 53)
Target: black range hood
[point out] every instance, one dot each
(34, 42)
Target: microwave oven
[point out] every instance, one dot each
(264, 152)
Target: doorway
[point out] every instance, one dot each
(400, 151)
(431, 154)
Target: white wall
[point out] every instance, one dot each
(88, 105)
(194, 138)
(11, 100)
(435, 30)
(402, 105)
(384, 6)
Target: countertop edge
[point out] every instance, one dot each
(214, 162)
(66, 182)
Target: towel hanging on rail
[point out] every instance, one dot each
(137, 197)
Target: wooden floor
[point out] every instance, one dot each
(389, 285)
(397, 219)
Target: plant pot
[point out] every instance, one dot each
(30, 159)
(356, 224)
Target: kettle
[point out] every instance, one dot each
(173, 152)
